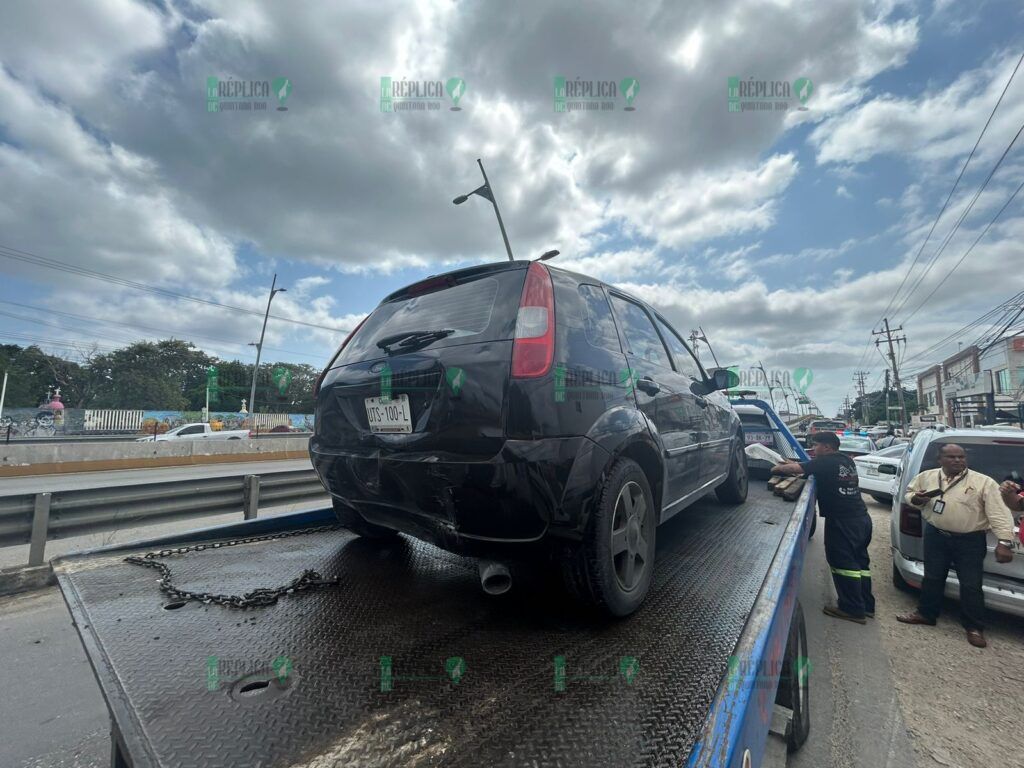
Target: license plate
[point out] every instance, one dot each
(390, 416)
(872, 471)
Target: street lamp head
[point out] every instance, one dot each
(460, 199)
(548, 255)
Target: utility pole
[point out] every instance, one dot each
(862, 392)
(888, 333)
(770, 395)
(887, 395)
(259, 348)
(3, 394)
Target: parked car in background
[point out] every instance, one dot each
(876, 472)
(757, 429)
(993, 452)
(855, 445)
(516, 411)
(824, 425)
(197, 431)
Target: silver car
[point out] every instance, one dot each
(995, 453)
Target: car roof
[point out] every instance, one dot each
(930, 435)
(747, 408)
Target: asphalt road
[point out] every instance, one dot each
(877, 699)
(79, 480)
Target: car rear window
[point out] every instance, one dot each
(828, 425)
(467, 308)
(854, 443)
(994, 457)
(600, 327)
(755, 420)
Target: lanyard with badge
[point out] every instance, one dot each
(939, 504)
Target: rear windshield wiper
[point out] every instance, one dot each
(408, 339)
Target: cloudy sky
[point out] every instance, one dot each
(783, 233)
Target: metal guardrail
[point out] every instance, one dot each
(35, 518)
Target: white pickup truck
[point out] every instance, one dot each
(198, 431)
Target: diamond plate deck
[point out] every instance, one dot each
(420, 606)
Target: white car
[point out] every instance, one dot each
(876, 472)
(993, 452)
(198, 431)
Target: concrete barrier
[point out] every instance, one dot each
(17, 460)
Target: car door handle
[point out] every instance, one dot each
(648, 385)
(701, 401)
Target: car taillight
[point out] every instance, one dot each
(323, 373)
(534, 347)
(910, 520)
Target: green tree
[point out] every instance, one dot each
(158, 375)
(31, 372)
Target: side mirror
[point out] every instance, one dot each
(724, 378)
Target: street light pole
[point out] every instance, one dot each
(259, 349)
(488, 194)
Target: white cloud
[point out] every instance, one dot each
(842, 191)
(940, 125)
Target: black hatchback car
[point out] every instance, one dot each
(516, 411)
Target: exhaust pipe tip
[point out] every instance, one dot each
(495, 578)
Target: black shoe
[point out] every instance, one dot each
(869, 614)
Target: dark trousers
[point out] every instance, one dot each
(964, 551)
(846, 550)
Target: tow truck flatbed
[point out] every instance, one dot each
(406, 662)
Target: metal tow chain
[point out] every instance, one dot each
(309, 579)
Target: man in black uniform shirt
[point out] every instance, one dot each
(847, 525)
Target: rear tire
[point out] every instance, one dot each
(794, 682)
(899, 582)
(352, 520)
(734, 489)
(612, 567)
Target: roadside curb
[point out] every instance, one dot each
(25, 579)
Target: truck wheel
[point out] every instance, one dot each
(352, 520)
(734, 489)
(612, 567)
(794, 682)
(899, 582)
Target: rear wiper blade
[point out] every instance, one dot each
(413, 338)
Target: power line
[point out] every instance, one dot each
(956, 226)
(43, 261)
(968, 251)
(185, 335)
(961, 331)
(956, 183)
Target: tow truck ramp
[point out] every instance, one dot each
(407, 663)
